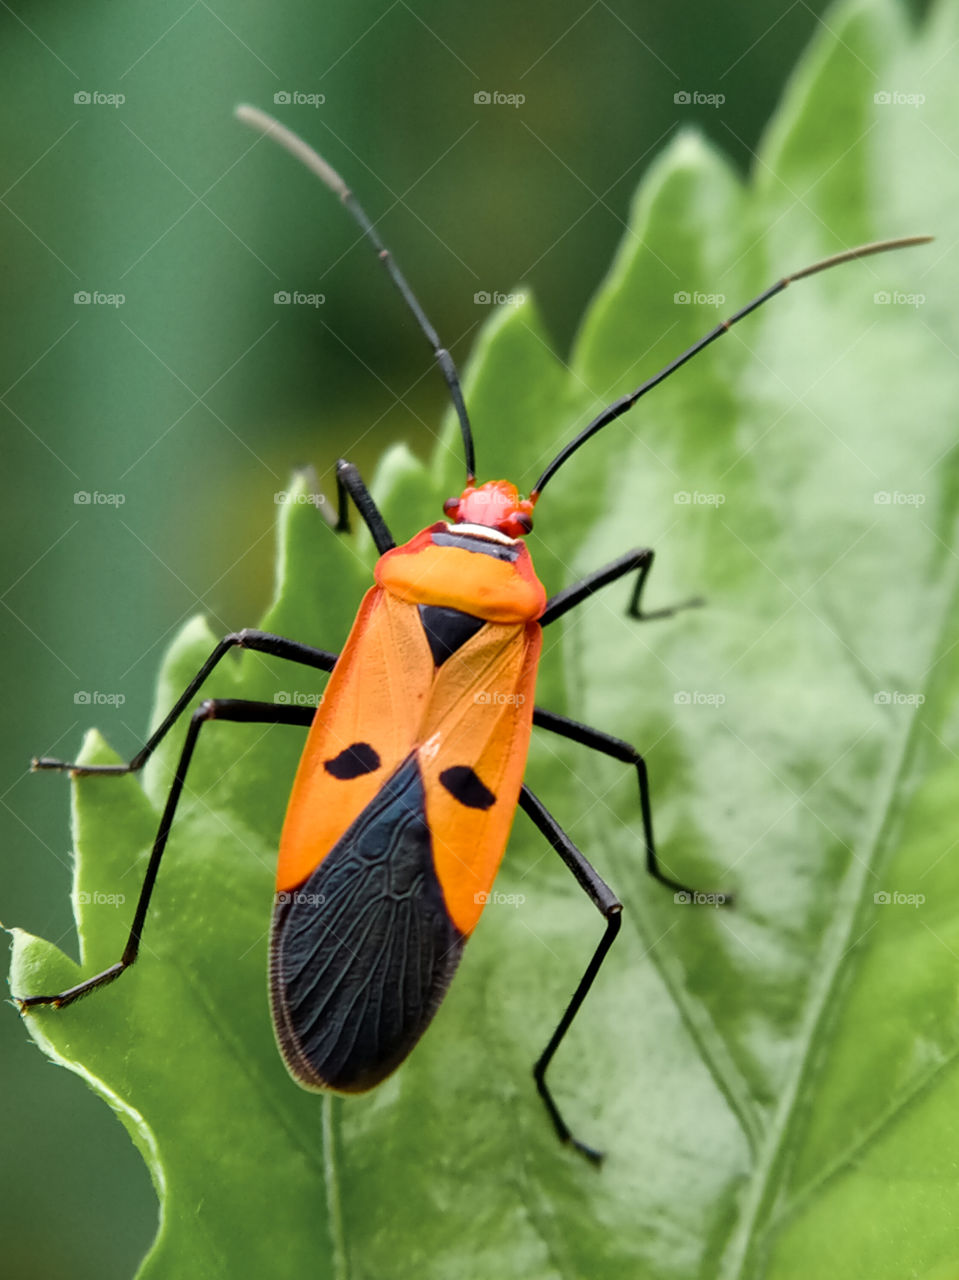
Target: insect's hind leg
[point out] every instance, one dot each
(618, 749)
(259, 641)
(609, 906)
(350, 484)
(232, 709)
(640, 560)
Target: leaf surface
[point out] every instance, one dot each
(776, 1084)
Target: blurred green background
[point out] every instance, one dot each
(194, 398)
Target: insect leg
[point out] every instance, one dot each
(260, 641)
(641, 559)
(233, 709)
(609, 906)
(619, 750)
(350, 484)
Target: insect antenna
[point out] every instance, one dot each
(271, 128)
(626, 402)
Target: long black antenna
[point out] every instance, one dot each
(271, 128)
(620, 406)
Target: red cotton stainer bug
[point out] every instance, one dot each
(408, 783)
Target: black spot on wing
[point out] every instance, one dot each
(447, 629)
(466, 786)
(353, 761)
(363, 952)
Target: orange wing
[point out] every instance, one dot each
(472, 754)
(376, 697)
(468, 721)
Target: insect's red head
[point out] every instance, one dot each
(496, 504)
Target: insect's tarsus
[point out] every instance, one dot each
(625, 403)
(271, 128)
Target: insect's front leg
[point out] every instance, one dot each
(350, 484)
(259, 641)
(640, 560)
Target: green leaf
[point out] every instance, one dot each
(776, 1084)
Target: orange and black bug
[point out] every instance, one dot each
(408, 783)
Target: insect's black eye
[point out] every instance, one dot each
(524, 521)
(451, 506)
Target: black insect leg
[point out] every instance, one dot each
(609, 906)
(260, 641)
(350, 484)
(639, 559)
(213, 709)
(619, 750)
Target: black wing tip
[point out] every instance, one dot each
(356, 1073)
(309, 1075)
(362, 953)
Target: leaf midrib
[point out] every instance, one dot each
(752, 1224)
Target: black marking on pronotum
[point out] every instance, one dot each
(466, 786)
(362, 953)
(509, 551)
(447, 629)
(353, 761)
